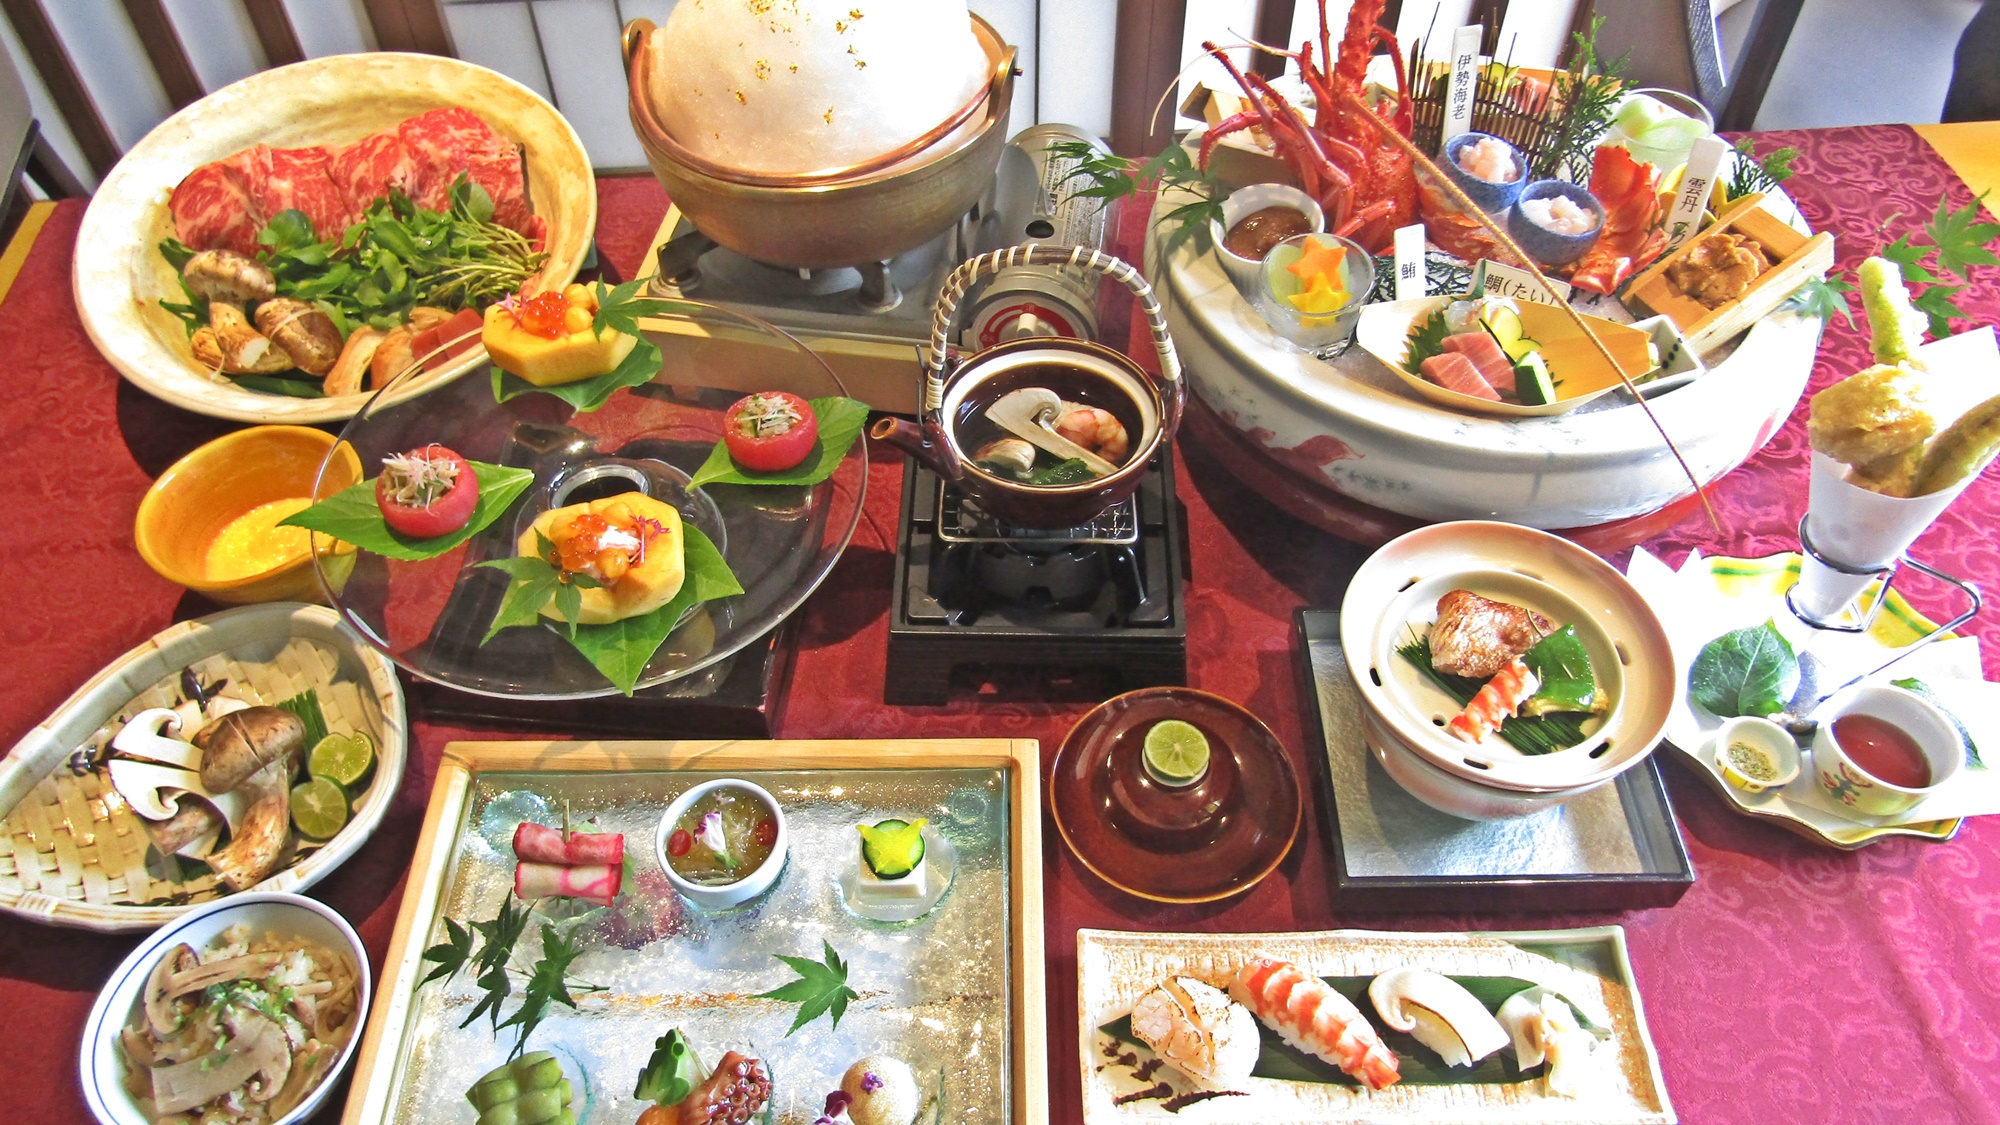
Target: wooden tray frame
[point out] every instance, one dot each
(1020, 758)
(1704, 328)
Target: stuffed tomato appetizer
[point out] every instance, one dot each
(769, 432)
(427, 492)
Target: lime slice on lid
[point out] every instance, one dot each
(1176, 752)
(342, 758)
(319, 808)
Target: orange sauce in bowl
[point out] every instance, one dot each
(253, 543)
(1883, 751)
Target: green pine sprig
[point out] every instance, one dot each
(1754, 174)
(820, 989)
(1108, 177)
(1588, 92)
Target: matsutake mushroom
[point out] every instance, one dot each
(306, 334)
(256, 1050)
(241, 743)
(1439, 1013)
(197, 977)
(225, 275)
(259, 844)
(161, 1015)
(232, 346)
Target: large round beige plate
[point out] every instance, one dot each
(120, 277)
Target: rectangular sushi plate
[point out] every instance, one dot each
(1587, 966)
(958, 994)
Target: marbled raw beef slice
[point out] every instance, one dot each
(212, 211)
(282, 179)
(365, 170)
(445, 142)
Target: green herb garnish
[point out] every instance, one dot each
(1823, 297)
(537, 579)
(1108, 177)
(306, 706)
(1754, 174)
(1426, 340)
(1588, 92)
(821, 987)
(1071, 471)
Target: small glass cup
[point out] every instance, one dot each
(1313, 330)
(1668, 143)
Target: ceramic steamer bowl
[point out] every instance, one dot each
(1396, 592)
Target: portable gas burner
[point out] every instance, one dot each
(969, 592)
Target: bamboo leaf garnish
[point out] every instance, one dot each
(1423, 160)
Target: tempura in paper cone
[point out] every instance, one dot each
(1893, 445)
(1857, 528)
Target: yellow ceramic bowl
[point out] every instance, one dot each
(202, 493)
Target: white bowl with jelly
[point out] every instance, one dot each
(722, 896)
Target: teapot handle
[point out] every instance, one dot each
(1030, 253)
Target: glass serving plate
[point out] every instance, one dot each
(957, 994)
(781, 541)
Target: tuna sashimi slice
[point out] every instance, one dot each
(1454, 372)
(1486, 355)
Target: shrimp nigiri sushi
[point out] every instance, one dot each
(1199, 1031)
(1315, 1019)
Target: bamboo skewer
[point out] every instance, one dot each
(1458, 196)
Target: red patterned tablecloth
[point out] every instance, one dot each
(1793, 983)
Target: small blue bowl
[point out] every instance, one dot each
(1544, 245)
(1492, 198)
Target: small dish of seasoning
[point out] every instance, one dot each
(1255, 219)
(1756, 754)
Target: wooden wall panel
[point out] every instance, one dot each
(65, 85)
(275, 32)
(162, 43)
(409, 25)
(1147, 56)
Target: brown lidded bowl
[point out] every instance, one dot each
(201, 493)
(1210, 839)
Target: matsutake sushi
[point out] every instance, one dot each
(1315, 1019)
(1199, 1031)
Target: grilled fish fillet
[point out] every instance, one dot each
(1475, 637)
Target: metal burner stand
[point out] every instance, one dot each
(940, 622)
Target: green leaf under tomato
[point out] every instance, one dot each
(353, 516)
(840, 423)
(274, 385)
(587, 395)
(622, 649)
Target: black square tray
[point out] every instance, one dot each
(1616, 848)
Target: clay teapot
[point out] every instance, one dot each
(1018, 378)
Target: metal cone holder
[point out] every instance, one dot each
(1842, 621)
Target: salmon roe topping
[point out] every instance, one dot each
(579, 548)
(543, 315)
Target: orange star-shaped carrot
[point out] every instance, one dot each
(1319, 260)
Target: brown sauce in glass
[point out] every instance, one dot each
(1254, 234)
(1883, 750)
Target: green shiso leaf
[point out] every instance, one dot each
(638, 368)
(1750, 671)
(1562, 665)
(352, 515)
(840, 422)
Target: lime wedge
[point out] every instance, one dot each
(319, 808)
(1176, 752)
(342, 758)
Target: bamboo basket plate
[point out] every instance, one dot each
(1579, 371)
(120, 277)
(1589, 967)
(957, 993)
(72, 857)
